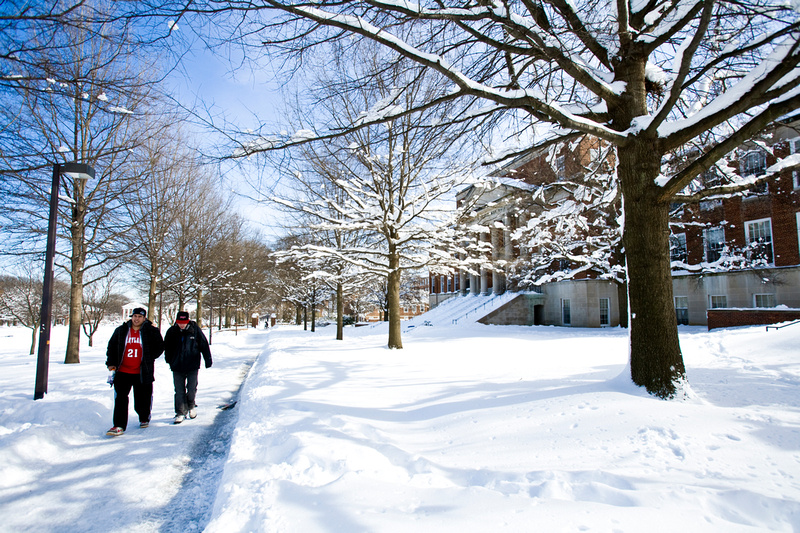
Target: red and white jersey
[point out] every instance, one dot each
(132, 358)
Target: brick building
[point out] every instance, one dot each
(728, 252)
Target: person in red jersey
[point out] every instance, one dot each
(132, 350)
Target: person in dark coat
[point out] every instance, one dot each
(184, 343)
(132, 351)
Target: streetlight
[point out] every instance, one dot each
(75, 171)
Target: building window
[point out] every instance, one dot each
(566, 317)
(712, 178)
(764, 300)
(714, 243)
(717, 301)
(682, 309)
(794, 148)
(604, 314)
(759, 240)
(709, 205)
(677, 247)
(754, 163)
(797, 216)
(561, 167)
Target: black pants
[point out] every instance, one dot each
(185, 391)
(142, 398)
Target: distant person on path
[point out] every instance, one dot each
(184, 343)
(131, 355)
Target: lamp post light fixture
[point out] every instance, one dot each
(75, 171)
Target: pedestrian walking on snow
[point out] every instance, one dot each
(132, 351)
(184, 343)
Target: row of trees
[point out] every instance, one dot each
(672, 87)
(80, 83)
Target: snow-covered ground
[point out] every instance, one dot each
(468, 428)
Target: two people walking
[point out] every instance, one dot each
(132, 350)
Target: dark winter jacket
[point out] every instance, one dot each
(152, 348)
(183, 347)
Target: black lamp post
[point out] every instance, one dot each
(76, 171)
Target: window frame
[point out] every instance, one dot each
(797, 217)
(721, 298)
(682, 317)
(753, 170)
(605, 313)
(794, 148)
(771, 297)
(749, 240)
(566, 312)
(706, 242)
(683, 256)
(561, 167)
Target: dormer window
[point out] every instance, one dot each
(754, 163)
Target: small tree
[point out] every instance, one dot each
(99, 301)
(22, 299)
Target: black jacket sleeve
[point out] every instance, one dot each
(204, 347)
(156, 342)
(172, 344)
(114, 352)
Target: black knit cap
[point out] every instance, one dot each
(139, 311)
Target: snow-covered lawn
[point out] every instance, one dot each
(468, 428)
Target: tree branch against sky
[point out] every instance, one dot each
(647, 78)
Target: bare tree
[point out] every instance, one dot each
(381, 192)
(99, 301)
(79, 100)
(22, 299)
(155, 205)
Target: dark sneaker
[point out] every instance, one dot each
(115, 431)
(144, 424)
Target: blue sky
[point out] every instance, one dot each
(216, 83)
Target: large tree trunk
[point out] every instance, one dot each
(75, 303)
(151, 292)
(314, 311)
(393, 298)
(622, 298)
(655, 354)
(34, 331)
(198, 315)
(339, 312)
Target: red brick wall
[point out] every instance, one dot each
(726, 318)
(780, 205)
